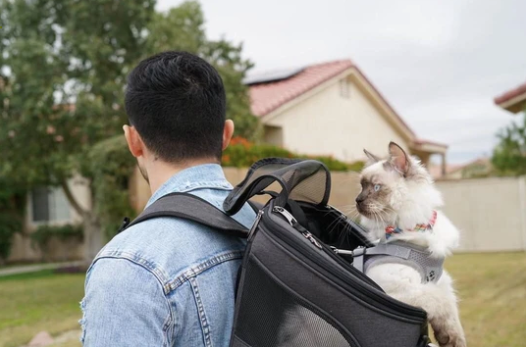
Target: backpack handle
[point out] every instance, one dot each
(300, 180)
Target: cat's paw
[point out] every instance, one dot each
(448, 339)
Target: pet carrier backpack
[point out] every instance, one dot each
(293, 289)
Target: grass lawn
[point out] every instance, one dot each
(492, 289)
(38, 301)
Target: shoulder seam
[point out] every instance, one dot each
(146, 265)
(169, 286)
(195, 270)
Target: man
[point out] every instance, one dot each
(169, 281)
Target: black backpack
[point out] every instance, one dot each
(294, 289)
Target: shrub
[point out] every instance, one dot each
(8, 228)
(357, 166)
(12, 201)
(242, 153)
(44, 233)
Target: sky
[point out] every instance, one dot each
(438, 63)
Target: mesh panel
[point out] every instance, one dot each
(311, 189)
(270, 316)
(303, 180)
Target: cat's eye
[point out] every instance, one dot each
(376, 187)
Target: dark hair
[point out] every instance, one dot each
(176, 101)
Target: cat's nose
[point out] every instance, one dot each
(360, 198)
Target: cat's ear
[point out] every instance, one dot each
(371, 158)
(398, 159)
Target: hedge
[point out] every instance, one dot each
(242, 153)
(45, 233)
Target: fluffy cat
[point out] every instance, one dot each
(398, 193)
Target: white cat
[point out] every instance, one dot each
(398, 201)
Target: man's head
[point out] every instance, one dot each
(175, 103)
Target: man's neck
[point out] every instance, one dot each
(160, 172)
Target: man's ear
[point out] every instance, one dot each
(228, 132)
(371, 158)
(135, 143)
(398, 159)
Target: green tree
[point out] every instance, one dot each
(63, 67)
(509, 157)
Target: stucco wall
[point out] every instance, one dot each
(327, 123)
(490, 212)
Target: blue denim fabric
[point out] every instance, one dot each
(167, 281)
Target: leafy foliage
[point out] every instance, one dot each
(509, 157)
(8, 227)
(12, 199)
(50, 58)
(112, 166)
(41, 237)
(44, 233)
(357, 166)
(63, 68)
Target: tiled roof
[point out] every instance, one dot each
(267, 97)
(511, 94)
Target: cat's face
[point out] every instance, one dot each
(380, 188)
(384, 183)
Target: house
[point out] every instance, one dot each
(435, 170)
(513, 100)
(322, 109)
(331, 109)
(477, 168)
(49, 206)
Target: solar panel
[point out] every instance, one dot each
(271, 76)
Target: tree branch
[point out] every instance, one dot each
(72, 200)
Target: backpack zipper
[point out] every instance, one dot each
(294, 223)
(255, 225)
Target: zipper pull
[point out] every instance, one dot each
(255, 225)
(290, 218)
(294, 223)
(341, 251)
(311, 238)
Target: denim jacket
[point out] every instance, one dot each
(167, 281)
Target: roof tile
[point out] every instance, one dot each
(267, 97)
(511, 94)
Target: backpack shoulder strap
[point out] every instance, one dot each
(191, 207)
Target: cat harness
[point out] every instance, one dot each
(400, 252)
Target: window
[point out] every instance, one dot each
(345, 88)
(49, 205)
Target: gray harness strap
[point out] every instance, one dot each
(417, 257)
